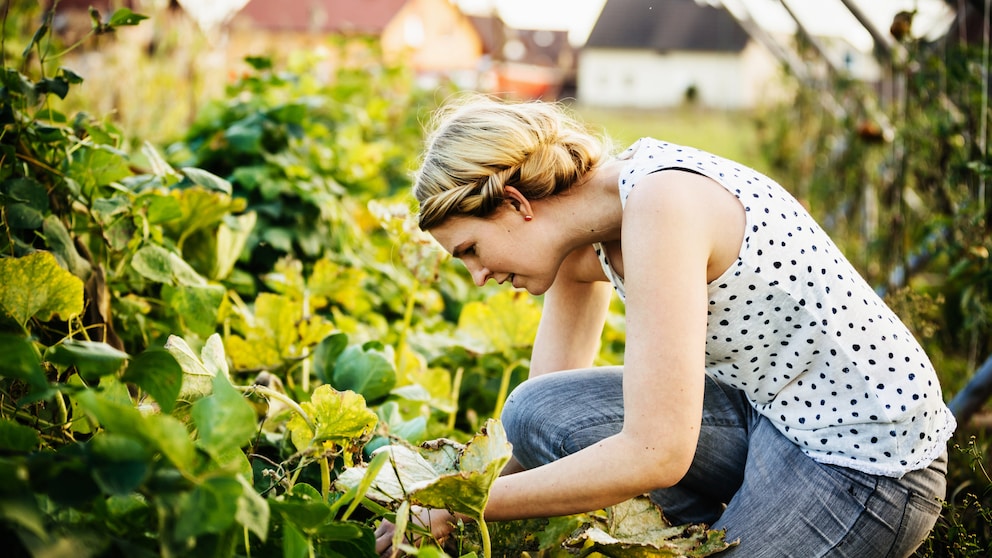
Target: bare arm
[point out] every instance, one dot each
(670, 234)
(572, 318)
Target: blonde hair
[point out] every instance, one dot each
(479, 145)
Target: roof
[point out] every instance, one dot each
(349, 16)
(532, 46)
(665, 25)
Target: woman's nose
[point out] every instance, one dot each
(480, 274)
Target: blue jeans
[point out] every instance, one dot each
(746, 477)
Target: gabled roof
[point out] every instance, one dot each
(344, 16)
(665, 25)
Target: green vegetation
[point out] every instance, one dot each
(212, 333)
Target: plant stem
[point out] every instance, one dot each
(504, 387)
(269, 392)
(456, 386)
(487, 545)
(407, 319)
(325, 477)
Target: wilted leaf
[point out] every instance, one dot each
(35, 286)
(503, 322)
(197, 374)
(637, 528)
(459, 484)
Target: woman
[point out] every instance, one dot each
(766, 390)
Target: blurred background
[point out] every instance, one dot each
(307, 116)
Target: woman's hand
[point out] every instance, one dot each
(439, 522)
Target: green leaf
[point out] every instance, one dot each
(124, 16)
(92, 359)
(34, 286)
(18, 503)
(21, 361)
(326, 353)
(224, 420)
(368, 372)
(162, 209)
(253, 510)
(163, 432)
(157, 372)
(303, 506)
(17, 437)
(120, 463)
(637, 528)
(211, 507)
(25, 202)
(196, 305)
(163, 266)
(207, 179)
(39, 34)
(96, 166)
(64, 248)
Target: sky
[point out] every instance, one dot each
(825, 17)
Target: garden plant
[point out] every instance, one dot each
(238, 343)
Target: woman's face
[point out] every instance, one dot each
(504, 247)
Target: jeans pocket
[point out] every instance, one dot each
(919, 518)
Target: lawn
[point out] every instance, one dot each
(730, 134)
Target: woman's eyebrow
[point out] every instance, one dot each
(457, 251)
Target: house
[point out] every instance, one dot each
(525, 63)
(432, 36)
(663, 53)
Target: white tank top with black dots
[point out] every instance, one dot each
(794, 326)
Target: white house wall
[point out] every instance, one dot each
(647, 79)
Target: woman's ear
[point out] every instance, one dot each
(519, 201)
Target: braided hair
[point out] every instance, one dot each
(479, 145)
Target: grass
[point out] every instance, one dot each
(730, 134)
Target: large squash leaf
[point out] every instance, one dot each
(338, 417)
(501, 323)
(34, 286)
(442, 474)
(638, 529)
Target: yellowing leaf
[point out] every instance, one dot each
(442, 474)
(34, 286)
(638, 529)
(503, 322)
(339, 417)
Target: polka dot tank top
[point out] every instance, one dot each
(795, 327)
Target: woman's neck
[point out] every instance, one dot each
(591, 206)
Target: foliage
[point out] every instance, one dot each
(202, 339)
(902, 186)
